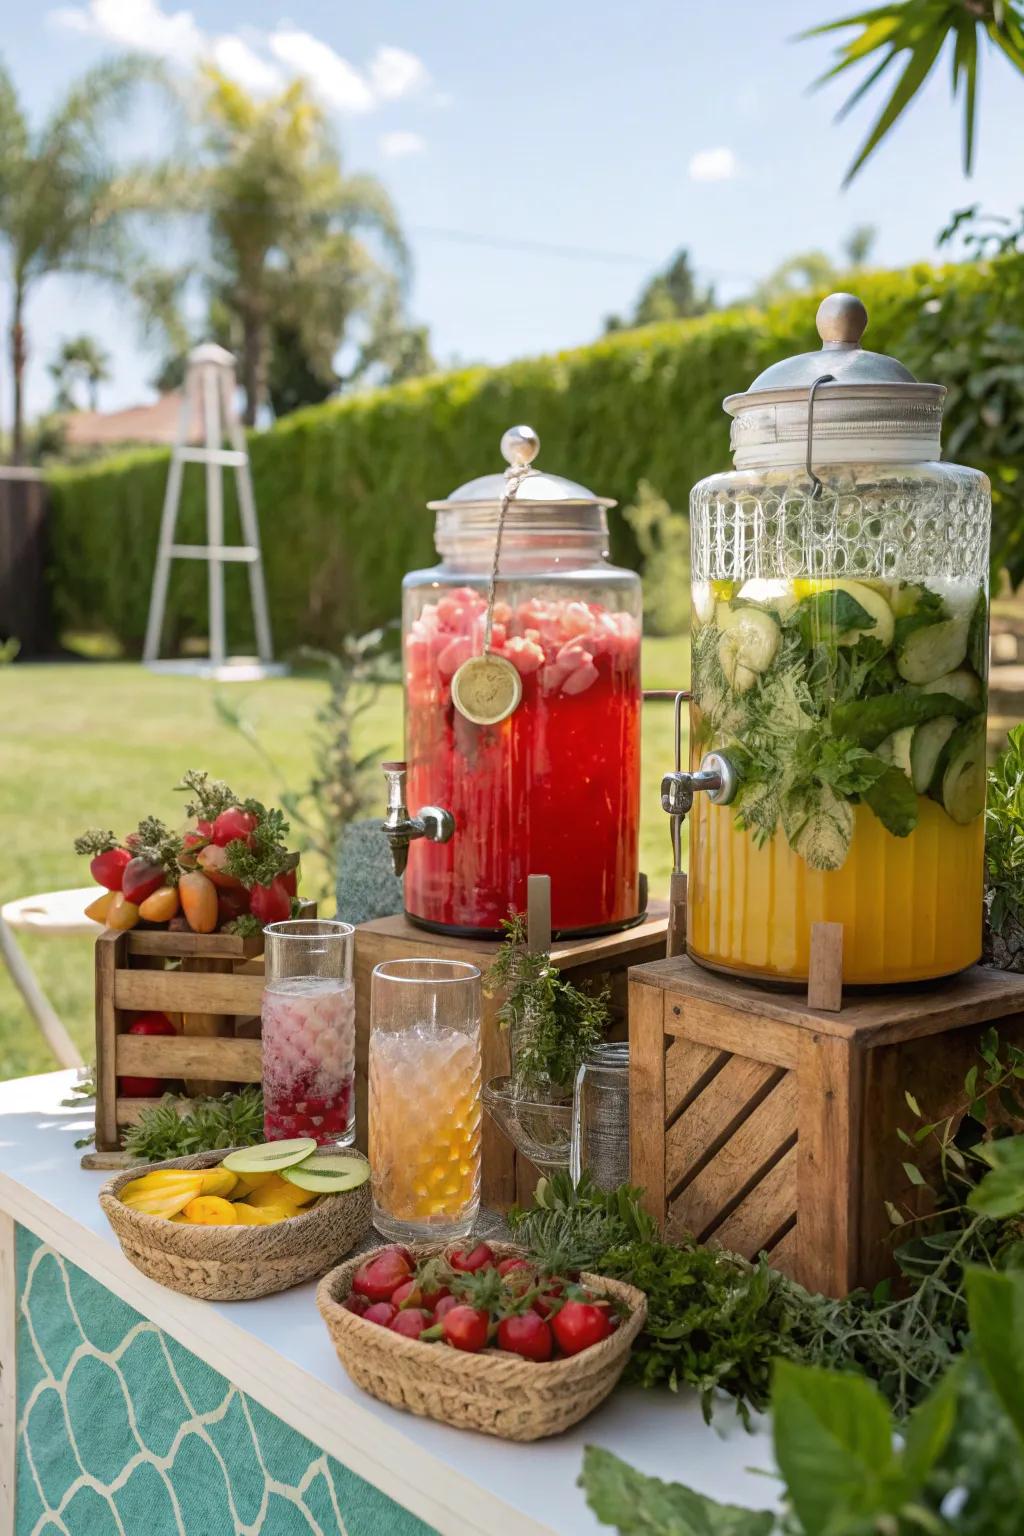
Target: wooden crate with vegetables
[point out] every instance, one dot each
(179, 971)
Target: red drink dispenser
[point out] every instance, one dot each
(522, 709)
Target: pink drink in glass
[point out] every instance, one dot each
(309, 1058)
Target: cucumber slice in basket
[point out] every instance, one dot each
(926, 750)
(328, 1173)
(933, 650)
(964, 779)
(270, 1156)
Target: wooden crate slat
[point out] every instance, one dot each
(111, 950)
(757, 1220)
(763, 1138)
(172, 946)
(181, 992)
(237, 1061)
(784, 1255)
(647, 1089)
(717, 1025)
(714, 1115)
(689, 1067)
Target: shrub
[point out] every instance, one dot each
(341, 487)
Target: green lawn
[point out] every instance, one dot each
(92, 744)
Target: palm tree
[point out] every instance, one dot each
(915, 32)
(63, 201)
(81, 359)
(286, 227)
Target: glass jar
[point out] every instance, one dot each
(554, 786)
(840, 658)
(600, 1117)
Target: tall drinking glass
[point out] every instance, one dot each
(425, 1099)
(309, 1032)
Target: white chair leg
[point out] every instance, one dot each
(38, 1004)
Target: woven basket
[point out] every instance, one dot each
(493, 1392)
(236, 1263)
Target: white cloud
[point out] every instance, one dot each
(137, 24)
(334, 79)
(233, 57)
(713, 165)
(397, 144)
(258, 61)
(394, 73)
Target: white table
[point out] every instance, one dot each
(278, 1353)
(52, 914)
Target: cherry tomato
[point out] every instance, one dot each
(357, 1304)
(444, 1306)
(468, 1261)
(509, 1266)
(231, 904)
(580, 1324)
(549, 1300)
(381, 1312)
(213, 861)
(270, 903)
(146, 1087)
(231, 824)
(140, 878)
(527, 1335)
(161, 906)
(379, 1276)
(122, 914)
(108, 867)
(198, 897)
(466, 1328)
(411, 1322)
(408, 1294)
(100, 906)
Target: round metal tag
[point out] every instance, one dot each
(486, 689)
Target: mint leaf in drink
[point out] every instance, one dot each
(893, 800)
(869, 721)
(825, 616)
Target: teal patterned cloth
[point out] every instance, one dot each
(123, 1432)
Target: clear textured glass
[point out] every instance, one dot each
(555, 787)
(425, 1107)
(309, 1031)
(600, 1117)
(840, 661)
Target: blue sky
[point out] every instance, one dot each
(618, 130)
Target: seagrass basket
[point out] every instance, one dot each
(493, 1392)
(236, 1263)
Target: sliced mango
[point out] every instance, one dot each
(247, 1182)
(218, 1181)
(210, 1211)
(254, 1216)
(277, 1192)
(159, 1196)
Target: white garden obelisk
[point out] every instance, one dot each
(210, 386)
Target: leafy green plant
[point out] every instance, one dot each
(846, 1473)
(1004, 856)
(205, 1125)
(663, 539)
(553, 1024)
(915, 33)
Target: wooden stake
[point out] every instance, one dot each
(538, 914)
(825, 973)
(676, 938)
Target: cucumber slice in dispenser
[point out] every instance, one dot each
(749, 639)
(932, 651)
(966, 773)
(926, 750)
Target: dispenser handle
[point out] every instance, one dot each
(395, 774)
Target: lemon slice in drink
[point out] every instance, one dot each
(486, 689)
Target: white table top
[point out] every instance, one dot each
(278, 1351)
(58, 914)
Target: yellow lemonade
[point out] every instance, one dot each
(910, 906)
(425, 1118)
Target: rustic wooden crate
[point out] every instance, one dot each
(213, 981)
(763, 1124)
(506, 1178)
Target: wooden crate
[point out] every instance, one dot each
(213, 981)
(762, 1124)
(506, 1178)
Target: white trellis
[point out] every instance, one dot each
(210, 387)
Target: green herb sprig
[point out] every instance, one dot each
(232, 1120)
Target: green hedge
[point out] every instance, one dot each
(341, 487)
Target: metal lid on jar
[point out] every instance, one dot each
(520, 446)
(866, 406)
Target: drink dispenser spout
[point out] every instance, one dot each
(716, 778)
(431, 821)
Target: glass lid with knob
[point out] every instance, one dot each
(839, 672)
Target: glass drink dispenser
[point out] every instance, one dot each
(521, 655)
(840, 658)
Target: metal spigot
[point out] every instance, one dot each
(430, 821)
(716, 778)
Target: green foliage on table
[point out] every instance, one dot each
(162, 1132)
(956, 1465)
(341, 487)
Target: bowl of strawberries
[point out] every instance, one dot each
(479, 1336)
